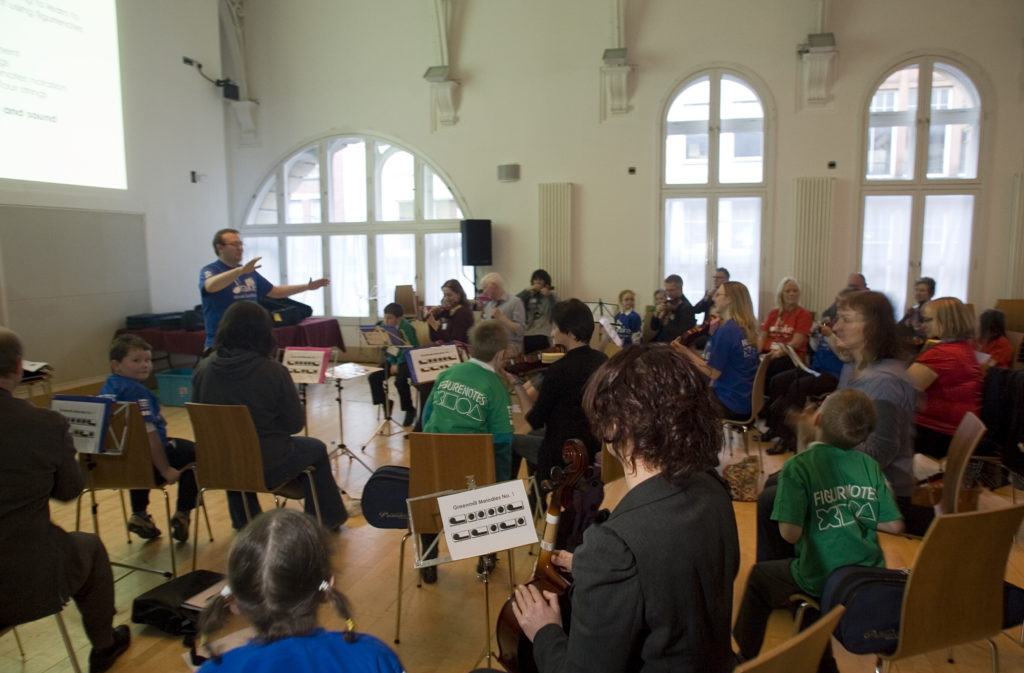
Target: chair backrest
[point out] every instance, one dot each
(133, 467)
(955, 590)
(799, 654)
(227, 448)
(1015, 339)
(406, 296)
(961, 448)
(440, 462)
(757, 393)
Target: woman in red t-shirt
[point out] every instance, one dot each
(948, 373)
(788, 323)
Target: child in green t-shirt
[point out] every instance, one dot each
(394, 363)
(831, 502)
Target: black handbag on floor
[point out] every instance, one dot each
(873, 598)
(163, 606)
(384, 497)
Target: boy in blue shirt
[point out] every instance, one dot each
(830, 503)
(131, 364)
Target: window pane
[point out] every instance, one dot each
(302, 173)
(686, 142)
(686, 242)
(266, 248)
(946, 246)
(891, 127)
(739, 241)
(953, 134)
(438, 202)
(741, 143)
(305, 263)
(347, 187)
(886, 246)
(265, 210)
(442, 258)
(397, 192)
(396, 265)
(350, 295)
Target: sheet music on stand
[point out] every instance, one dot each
(383, 335)
(306, 364)
(487, 519)
(427, 362)
(89, 419)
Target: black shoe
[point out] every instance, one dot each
(783, 446)
(429, 574)
(142, 525)
(102, 659)
(410, 417)
(179, 526)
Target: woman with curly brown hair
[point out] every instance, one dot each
(653, 582)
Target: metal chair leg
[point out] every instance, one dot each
(312, 492)
(398, 603)
(170, 541)
(67, 643)
(995, 655)
(124, 514)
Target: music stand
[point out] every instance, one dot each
(383, 337)
(602, 308)
(339, 373)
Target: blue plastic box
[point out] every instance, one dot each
(175, 387)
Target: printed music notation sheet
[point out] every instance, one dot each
(487, 520)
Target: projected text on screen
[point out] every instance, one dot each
(60, 93)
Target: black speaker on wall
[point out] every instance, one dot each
(476, 242)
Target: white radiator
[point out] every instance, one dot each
(1015, 261)
(813, 242)
(555, 229)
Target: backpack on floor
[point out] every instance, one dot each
(164, 606)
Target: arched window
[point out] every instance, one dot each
(921, 184)
(363, 211)
(713, 181)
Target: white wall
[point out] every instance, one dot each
(174, 123)
(529, 94)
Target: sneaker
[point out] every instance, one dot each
(101, 660)
(410, 417)
(179, 526)
(143, 526)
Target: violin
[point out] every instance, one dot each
(515, 651)
(695, 333)
(524, 365)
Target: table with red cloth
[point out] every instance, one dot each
(319, 332)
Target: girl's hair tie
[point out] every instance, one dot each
(324, 586)
(226, 591)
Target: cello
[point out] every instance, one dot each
(515, 651)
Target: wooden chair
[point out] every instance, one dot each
(756, 403)
(954, 593)
(228, 458)
(63, 634)
(130, 468)
(965, 440)
(799, 654)
(437, 463)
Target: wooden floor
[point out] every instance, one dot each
(444, 626)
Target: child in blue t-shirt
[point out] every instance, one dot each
(629, 321)
(830, 503)
(279, 573)
(131, 363)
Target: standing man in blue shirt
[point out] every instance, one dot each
(227, 280)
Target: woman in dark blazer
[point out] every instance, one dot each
(653, 582)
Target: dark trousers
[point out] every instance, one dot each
(89, 581)
(180, 452)
(931, 442)
(725, 411)
(376, 381)
(305, 452)
(791, 389)
(769, 586)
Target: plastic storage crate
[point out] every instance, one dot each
(175, 387)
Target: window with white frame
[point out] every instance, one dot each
(363, 211)
(713, 181)
(919, 198)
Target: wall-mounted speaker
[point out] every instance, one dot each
(476, 242)
(508, 172)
